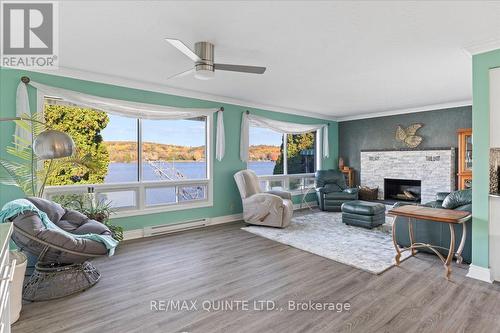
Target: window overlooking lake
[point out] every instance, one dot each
(272, 154)
(301, 153)
(85, 126)
(138, 153)
(174, 149)
(264, 151)
(120, 139)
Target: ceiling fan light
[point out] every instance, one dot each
(204, 74)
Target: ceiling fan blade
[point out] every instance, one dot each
(181, 74)
(240, 68)
(183, 48)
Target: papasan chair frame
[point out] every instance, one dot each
(59, 271)
(48, 278)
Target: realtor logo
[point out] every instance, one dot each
(29, 38)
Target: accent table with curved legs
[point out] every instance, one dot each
(438, 215)
(305, 190)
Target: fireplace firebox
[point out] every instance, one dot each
(402, 189)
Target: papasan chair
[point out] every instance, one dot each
(63, 251)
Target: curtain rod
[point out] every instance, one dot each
(27, 80)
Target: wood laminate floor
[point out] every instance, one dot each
(224, 262)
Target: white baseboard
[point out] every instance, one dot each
(176, 227)
(133, 234)
(479, 273)
(225, 219)
(139, 233)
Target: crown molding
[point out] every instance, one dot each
(482, 47)
(430, 107)
(148, 86)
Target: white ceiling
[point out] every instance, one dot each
(338, 59)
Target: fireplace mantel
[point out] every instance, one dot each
(404, 149)
(435, 168)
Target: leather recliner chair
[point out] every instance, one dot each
(332, 190)
(429, 232)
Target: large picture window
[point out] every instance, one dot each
(177, 147)
(266, 148)
(282, 161)
(120, 140)
(137, 163)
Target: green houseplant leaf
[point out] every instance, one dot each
(24, 170)
(17, 174)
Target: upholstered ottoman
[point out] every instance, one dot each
(363, 213)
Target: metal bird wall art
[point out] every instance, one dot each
(409, 135)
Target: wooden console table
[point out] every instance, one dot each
(437, 215)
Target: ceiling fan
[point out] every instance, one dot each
(204, 65)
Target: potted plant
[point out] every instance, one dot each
(94, 208)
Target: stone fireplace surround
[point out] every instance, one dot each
(435, 168)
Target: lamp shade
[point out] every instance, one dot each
(52, 144)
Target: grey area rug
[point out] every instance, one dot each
(324, 234)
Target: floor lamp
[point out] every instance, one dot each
(49, 144)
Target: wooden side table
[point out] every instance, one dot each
(349, 175)
(437, 215)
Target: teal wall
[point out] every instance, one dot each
(481, 64)
(226, 198)
(439, 131)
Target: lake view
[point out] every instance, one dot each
(127, 172)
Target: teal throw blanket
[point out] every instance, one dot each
(19, 206)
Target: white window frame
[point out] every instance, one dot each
(285, 177)
(140, 186)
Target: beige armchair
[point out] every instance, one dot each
(273, 208)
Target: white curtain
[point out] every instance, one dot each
(122, 108)
(220, 139)
(22, 109)
(280, 127)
